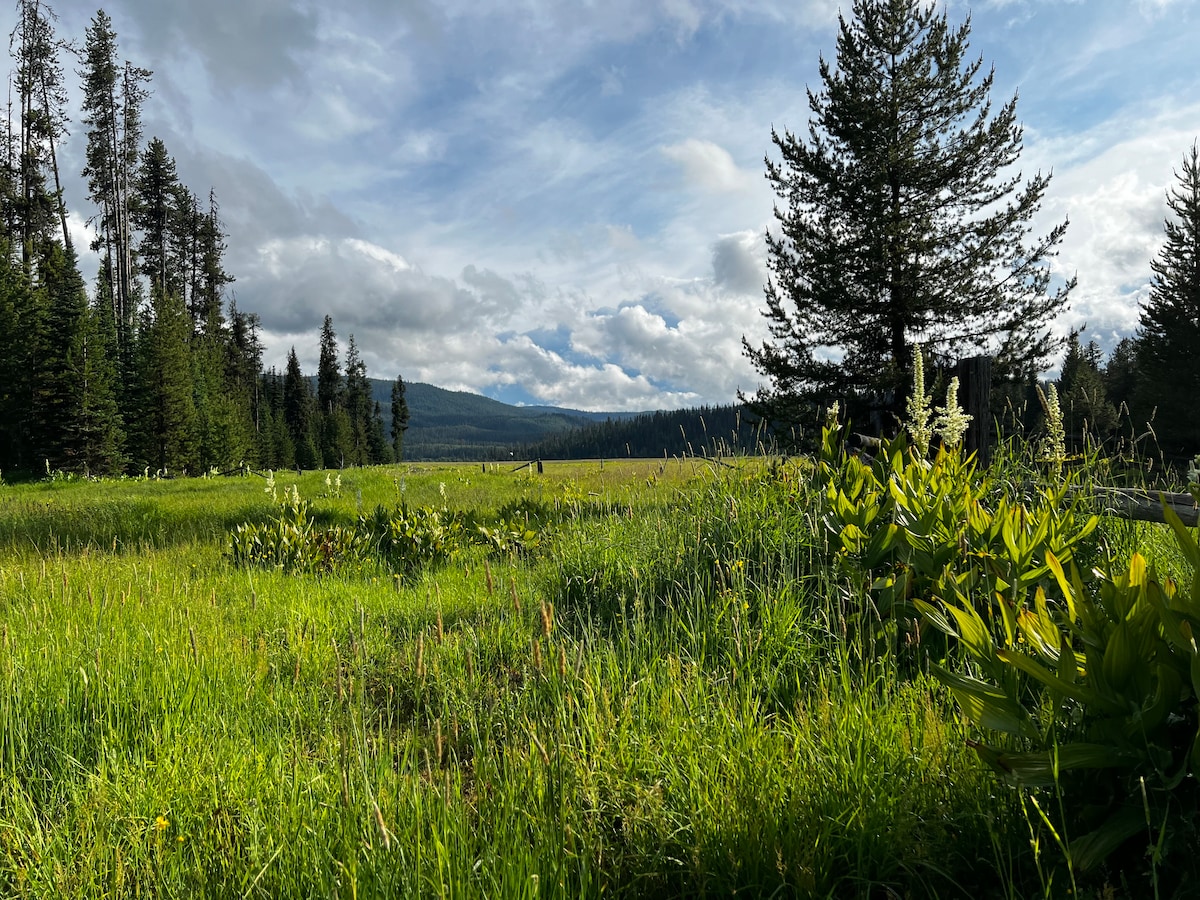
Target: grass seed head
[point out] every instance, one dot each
(383, 832)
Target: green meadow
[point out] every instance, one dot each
(634, 678)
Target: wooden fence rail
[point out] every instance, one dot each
(1141, 505)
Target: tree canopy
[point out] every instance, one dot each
(1169, 332)
(901, 220)
(158, 369)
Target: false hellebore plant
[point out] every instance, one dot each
(1082, 680)
(951, 422)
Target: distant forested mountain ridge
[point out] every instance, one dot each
(456, 425)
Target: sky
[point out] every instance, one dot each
(564, 203)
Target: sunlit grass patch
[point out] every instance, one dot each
(667, 697)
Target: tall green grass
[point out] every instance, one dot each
(663, 700)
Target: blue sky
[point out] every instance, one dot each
(564, 203)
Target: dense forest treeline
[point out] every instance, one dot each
(699, 431)
(157, 368)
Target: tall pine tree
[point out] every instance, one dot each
(400, 417)
(358, 406)
(42, 95)
(336, 432)
(77, 424)
(1088, 415)
(1169, 330)
(113, 95)
(21, 318)
(298, 414)
(167, 423)
(901, 221)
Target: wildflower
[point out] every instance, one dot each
(162, 823)
(270, 488)
(918, 406)
(1054, 445)
(831, 415)
(951, 422)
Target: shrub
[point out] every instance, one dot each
(294, 542)
(404, 540)
(1094, 691)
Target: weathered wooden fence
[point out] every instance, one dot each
(1141, 505)
(974, 396)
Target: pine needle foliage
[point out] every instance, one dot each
(1170, 321)
(902, 218)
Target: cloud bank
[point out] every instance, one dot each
(565, 204)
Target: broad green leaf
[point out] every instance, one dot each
(1039, 630)
(880, 545)
(1119, 658)
(1069, 592)
(1009, 537)
(986, 705)
(1183, 536)
(1095, 847)
(1042, 768)
(972, 631)
(935, 617)
(1068, 663)
(1166, 698)
(1039, 533)
(1077, 692)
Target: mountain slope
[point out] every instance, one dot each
(455, 425)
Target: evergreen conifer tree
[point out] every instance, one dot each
(901, 221)
(358, 405)
(112, 100)
(1169, 329)
(155, 210)
(399, 418)
(20, 317)
(99, 430)
(70, 389)
(298, 414)
(1120, 376)
(169, 440)
(379, 451)
(41, 93)
(1083, 395)
(334, 425)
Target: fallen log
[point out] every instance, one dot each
(1142, 505)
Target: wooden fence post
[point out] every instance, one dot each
(974, 396)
